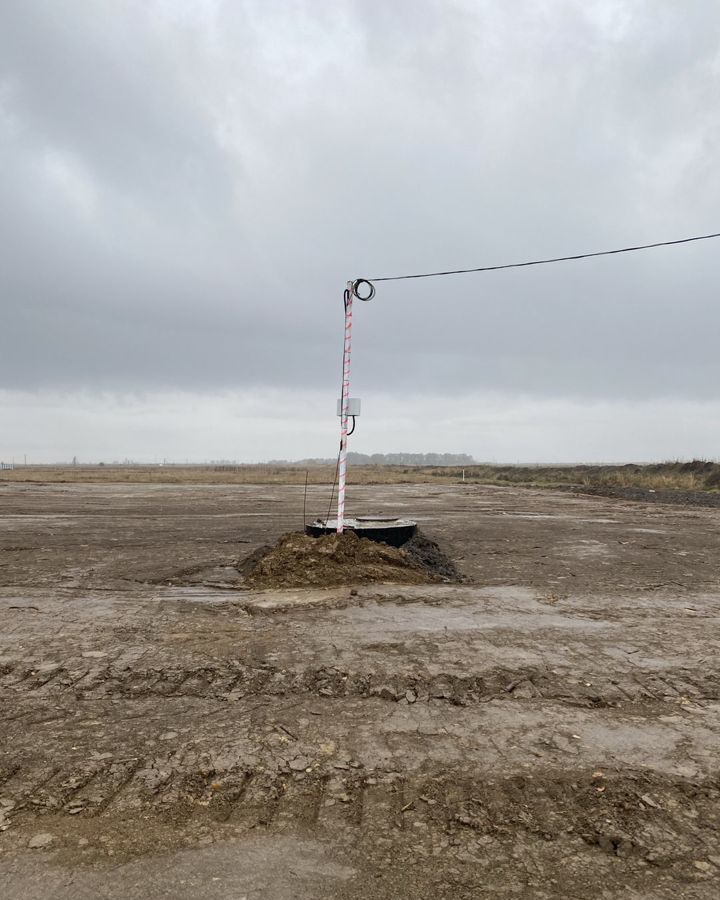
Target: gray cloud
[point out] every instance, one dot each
(185, 188)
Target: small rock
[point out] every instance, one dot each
(702, 865)
(410, 696)
(648, 801)
(299, 764)
(524, 691)
(168, 736)
(38, 841)
(386, 692)
(442, 691)
(83, 842)
(94, 654)
(606, 844)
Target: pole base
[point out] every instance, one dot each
(384, 529)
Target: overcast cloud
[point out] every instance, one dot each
(186, 185)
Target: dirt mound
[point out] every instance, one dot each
(427, 555)
(298, 560)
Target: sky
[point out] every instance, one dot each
(187, 185)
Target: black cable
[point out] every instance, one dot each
(357, 292)
(542, 262)
(307, 473)
(332, 492)
(346, 300)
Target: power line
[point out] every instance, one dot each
(542, 262)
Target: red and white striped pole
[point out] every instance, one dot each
(344, 407)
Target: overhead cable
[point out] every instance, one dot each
(541, 262)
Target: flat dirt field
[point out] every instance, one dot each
(550, 728)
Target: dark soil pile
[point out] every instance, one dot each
(298, 560)
(427, 555)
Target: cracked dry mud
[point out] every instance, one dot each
(550, 728)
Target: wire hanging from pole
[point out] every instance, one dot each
(364, 289)
(535, 262)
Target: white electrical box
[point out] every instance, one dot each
(353, 407)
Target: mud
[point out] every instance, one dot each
(336, 559)
(549, 727)
(427, 554)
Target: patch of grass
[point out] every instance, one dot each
(697, 475)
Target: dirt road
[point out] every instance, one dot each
(550, 729)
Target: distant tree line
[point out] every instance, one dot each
(388, 459)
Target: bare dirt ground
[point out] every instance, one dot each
(549, 729)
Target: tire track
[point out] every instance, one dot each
(660, 818)
(233, 680)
